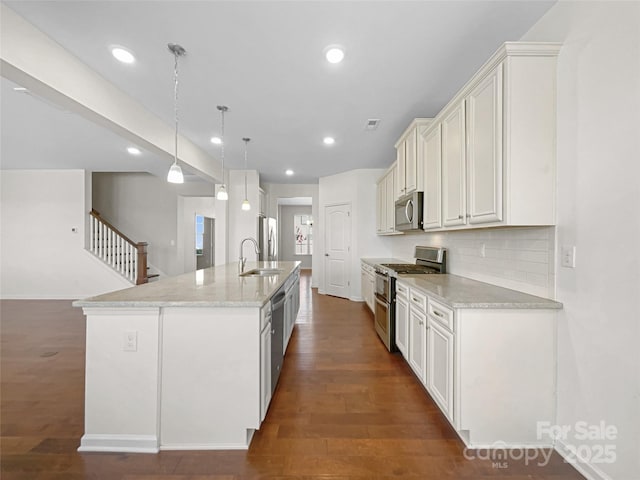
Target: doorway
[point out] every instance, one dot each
(337, 254)
(205, 242)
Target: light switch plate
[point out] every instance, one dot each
(568, 255)
(130, 341)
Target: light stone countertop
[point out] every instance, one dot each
(461, 292)
(218, 286)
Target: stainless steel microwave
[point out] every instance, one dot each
(409, 212)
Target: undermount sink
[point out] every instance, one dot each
(261, 272)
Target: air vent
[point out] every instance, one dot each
(372, 124)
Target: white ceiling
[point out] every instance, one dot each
(263, 59)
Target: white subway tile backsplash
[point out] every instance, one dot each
(518, 258)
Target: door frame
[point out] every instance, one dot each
(324, 247)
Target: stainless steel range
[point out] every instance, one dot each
(429, 260)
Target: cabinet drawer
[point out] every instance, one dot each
(265, 315)
(441, 313)
(402, 290)
(418, 300)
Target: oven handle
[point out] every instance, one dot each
(381, 302)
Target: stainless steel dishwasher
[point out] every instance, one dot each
(277, 334)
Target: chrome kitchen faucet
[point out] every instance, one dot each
(243, 260)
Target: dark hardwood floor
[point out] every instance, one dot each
(344, 409)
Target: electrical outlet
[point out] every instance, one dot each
(130, 341)
(568, 254)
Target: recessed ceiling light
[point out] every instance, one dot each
(122, 54)
(289, 172)
(134, 150)
(20, 90)
(328, 140)
(216, 140)
(334, 53)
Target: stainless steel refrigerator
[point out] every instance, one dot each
(267, 238)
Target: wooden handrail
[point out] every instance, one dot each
(115, 258)
(96, 214)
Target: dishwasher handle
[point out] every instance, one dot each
(278, 300)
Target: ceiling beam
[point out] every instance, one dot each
(33, 60)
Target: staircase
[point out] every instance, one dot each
(115, 249)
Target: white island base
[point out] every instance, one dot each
(178, 377)
(192, 384)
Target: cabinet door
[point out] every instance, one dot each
(433, 176)
(400, 188)
(390, 205)
(410, 162)
(453, 168)
(440, 345)
(381, 208)
(265, 370)
(402, 326)
(418, 343)
(364, 284)
(484, 150)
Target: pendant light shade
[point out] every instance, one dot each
(222, 190)
(245, 203)
(175, 172)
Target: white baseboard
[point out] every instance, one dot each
(590, 471)
(119, 443)
(204, 446)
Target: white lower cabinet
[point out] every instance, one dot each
(402, 319)
(417, 343)
(265, 369)
(490, 371)
(368, 285)
(440, 358)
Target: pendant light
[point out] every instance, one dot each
(245, 203)
(175, 172)
(222, 191)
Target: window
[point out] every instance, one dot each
(303, 230)
(199, 233)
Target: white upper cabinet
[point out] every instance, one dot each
(498, 159)
(453, 167)
(484, 152)
(385, 202)
(432, 151)
(410, 165)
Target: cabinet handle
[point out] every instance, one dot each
(420, 322)
(460, 217)
(273, 332)
(468, 215)
(415, 299)
(438, 314)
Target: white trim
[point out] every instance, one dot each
(590, 471)
(119, 443)
(129, 311)
(205, 446)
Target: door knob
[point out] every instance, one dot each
(326, 254)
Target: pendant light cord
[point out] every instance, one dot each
(175, 107)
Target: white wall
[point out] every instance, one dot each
(145, 208)
(40, 255)
(242, 223)
(274, 191)
(357, 187)
(286, 238)
(517, 258)
(598, 199)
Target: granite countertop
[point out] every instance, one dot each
(218, 286)
(461, 292)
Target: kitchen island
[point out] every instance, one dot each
(184, 362)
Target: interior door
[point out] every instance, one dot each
(337, 256)
(207, 258)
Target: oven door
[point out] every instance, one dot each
(382, 321)
(382, 285)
